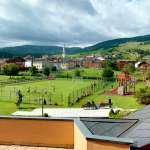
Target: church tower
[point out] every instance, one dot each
(63, 52)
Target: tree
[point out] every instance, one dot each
(46, 71)
(129, 68)
(107, 73)
(110, 64)
(143, 96)
(19, 99)
(54, 68)
(77, 73)
(33, 70)
(11, 69)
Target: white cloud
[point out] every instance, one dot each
(75, 22)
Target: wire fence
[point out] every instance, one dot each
(35, 95)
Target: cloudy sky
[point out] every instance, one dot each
(73, 22)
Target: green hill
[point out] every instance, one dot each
(128, 48)
(124, 48)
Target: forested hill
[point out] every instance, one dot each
(36, 50)
(117, 42)
(141, 43)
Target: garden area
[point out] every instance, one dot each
(55, 93)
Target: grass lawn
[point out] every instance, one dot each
(7, 108)
(4, 78)
(55, 90)
(125, 102)
(89, 72)
(10, 107)
(59, 89)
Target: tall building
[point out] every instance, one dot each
(63, 52)
(63, 66)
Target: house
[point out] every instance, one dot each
(130, 133)
(123, 63)
(142, 66)
(2, 62)
(41, 63)
(19, 61)
(92, 62)
(28, 61)
(56, 62)
(73, 63)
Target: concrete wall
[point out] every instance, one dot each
(80, 142)
(99, 145)
(53, 133)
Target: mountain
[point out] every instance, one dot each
(117, 42)
(36, 50)
(116, 46)
(135, 48)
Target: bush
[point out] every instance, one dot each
(77, 73)
(33, 70)
(129, 68)
(143, 96)
(56, 104)
(46, 71)
(46, 115)
(54, 68)
(110, 64)
(107, 73)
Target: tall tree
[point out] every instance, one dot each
(46, 71)
(11, 69)
(77, 73)
(33, 70)
(107, 73)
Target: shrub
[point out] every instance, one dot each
(46, 115)
(77, 73)
(46, 71)
(54, 68)
(56, 104)
(33, 70)
(143, 96)
(129, 68)
(107, 73)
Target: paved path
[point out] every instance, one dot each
(66, 112)
(14, 147)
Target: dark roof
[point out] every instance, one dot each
(141, 131)
(108, 127)
(140, 114)
(136, 126)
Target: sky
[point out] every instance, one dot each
(71, 22)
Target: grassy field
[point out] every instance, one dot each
(57, 91)
(125, 102)
(89, 72)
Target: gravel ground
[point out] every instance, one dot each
(14, 147)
